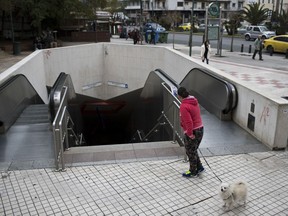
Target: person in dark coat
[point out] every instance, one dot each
(258, 45)
(135, 36)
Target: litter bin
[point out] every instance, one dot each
(148, 36)
(163, 37)
(16, 48)
(156, 37)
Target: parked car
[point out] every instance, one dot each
(185, 26)
(201, 28)
(254, 31)
(242, 30)
(155, 26)
(277, 44)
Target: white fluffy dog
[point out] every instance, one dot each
(234, 194)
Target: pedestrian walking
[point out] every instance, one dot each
(258, 46)
(205, 51)
(153, 37)
(191, 123)
(135, 36)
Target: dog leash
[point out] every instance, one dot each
(209, 165)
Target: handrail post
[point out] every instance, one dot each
(174, 124)
(63, 134)
(67, 118)
(55, 134)
(58, 131)
(61, 149)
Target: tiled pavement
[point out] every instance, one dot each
(148, 188)
(270, 75)
(7, 60)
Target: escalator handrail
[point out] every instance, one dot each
(11, 80)
(232, 92)
(168, 77)
(51, 95)
(56, 93)
(32, 98)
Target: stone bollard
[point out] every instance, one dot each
(2, 128)
(242, 48)
(271, 51)
(250, 48)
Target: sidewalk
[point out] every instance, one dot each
(148, 188)
(7, 60)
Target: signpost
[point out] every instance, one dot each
(213, 32)
(191, 29)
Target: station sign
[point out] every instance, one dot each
(214, 9)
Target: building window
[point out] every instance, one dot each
(179, 4)
(233, 5)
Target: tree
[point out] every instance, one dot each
(233, 22)
(255, 14)
(7, 7)
(283, 22)
(36, 11)
(43, 14)
(170, 19)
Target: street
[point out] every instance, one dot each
(183, 38)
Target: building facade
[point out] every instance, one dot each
(151, 8)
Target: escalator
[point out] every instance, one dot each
(143, 115)
(24, 117)
(133, 117)
(26, 123)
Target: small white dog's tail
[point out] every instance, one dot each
(240, 182)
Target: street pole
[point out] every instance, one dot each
(191, 29)
(152, 10)
(141, 12)
(12, 26)
(220, 31)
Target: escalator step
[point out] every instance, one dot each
(34, 114)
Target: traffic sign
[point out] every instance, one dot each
(214, 9)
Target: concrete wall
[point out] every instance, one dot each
(32, 67)
(132, 64)
(84, 63)
(106, 70)
(271, 116)
(114, 69)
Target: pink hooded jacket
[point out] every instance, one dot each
(190, 116)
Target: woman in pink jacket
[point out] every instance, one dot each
(191, 122)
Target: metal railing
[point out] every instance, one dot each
(60, 131)
(171, 113)
(63, 126)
